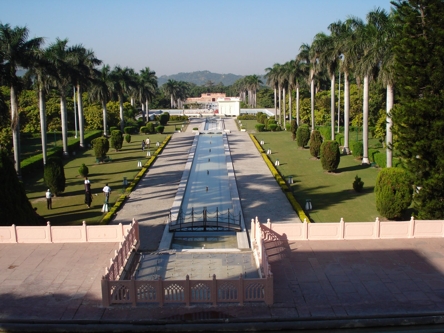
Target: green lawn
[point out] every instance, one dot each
(69, 208)
(331, 194)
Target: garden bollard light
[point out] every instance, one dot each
(308, 205)
(139, 163)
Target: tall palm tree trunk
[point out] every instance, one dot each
(275, 107)
(332, 106)
(15, 125)
(64, 119)
(389, 135)
(290, 111)
(104, 118)
(346, 149)
(365, 159)
(147, 110)
(312, 95)
(81, 117)
(283, 106)
(122, 122)
(297, 106)
(43, 123)
(279, 104)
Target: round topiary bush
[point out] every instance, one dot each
(144, 130)
(302, 135)
(393, 192)
(330, 155)
(83, 170)
(260, 127)
(357, 149)
(101, 147)
(315, 143)
(54, 175)
(127, 138)
(164, 118)
(160, 129)
(272, 127)
(151, 128)
(116, 140)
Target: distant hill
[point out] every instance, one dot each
(201, 77)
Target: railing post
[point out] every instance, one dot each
(14, 233)
(105, 292)
(187, 293)
(84, 231)
(377, 228)
(133, 292)
(341, 229)
(241, 291)
(137, 232)
(305, 230)
(121, 233)
(214, 290)
(48, 232)
(412, 227)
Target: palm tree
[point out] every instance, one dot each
(16, 51)
(101, 90)
(272, 80)
(328, 58)
(344, 46)
(308, 56)
(123, 81)
(62, 59)
(283, 83)
(171, 87)
(147, 88)
(41, 71)
(383, 46)
(84, 63)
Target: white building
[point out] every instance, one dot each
(229, 106)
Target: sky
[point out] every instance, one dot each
(241, 37)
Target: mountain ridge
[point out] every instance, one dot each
(201, 77)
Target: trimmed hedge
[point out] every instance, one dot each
(330, 155)
(260, 127)
(357, 148)
(282, 183)
(302, 135)
(315, 143)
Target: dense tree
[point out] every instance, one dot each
(101, 91)
(123, 81)
(16, 50)
(54, 175)
(418, 118)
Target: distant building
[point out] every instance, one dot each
(229, 106)
(205, 101)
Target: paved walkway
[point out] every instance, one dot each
(317, 284)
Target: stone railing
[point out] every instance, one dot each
(360, 230)
(63, 234)
(187, 291)
(130, 243)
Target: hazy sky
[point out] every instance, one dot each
(170, 36)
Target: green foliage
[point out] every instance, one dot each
(114, 128)
(302, 135)
(339, 138)
(358, 184)
(418, 124)
(83, 170)
(116, 140)
(246, 117)
(178, 118)
(325, 132)
(144, 129)
(129, 129)
(330, 155)
(54, 175)
(160, 129)
(315, 143)
(357, 148)
(260, 127)
(15, 207)
(151, 128)
(293, 128)
(101, 147)
(163, 119)
(272, 127)
(380, 159)
(371, 154)
(263, 118)
(128, 138)
(258, 117)
(6, 138)
(393, 192)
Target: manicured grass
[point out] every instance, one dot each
(69, 208)
(331, 194)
